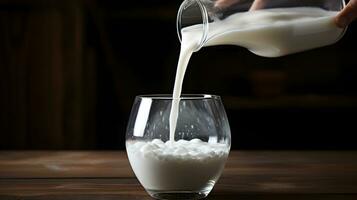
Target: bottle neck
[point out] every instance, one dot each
(193, 12)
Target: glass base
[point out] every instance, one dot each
(187, 195)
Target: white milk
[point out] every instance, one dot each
(185, 55)
(268, 33)
(177, 166)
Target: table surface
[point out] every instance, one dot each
(103, 175)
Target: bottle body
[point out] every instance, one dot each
(267, 29)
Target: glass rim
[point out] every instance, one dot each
(182, 97)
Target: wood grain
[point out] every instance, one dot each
(247, 175)
(59, 164)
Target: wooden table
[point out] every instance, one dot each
(102, 175)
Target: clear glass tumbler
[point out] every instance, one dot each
(212, 18)
(189, 166)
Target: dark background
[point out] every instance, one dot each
(70, 69)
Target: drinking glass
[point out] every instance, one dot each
(189, 167)
(204, 12)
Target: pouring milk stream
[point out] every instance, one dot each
(268, 32)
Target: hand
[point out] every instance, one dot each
(347, 15)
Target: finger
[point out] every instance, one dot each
(258, 4)
(347, 15)
(225, 3)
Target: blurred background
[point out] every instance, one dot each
(70, 70)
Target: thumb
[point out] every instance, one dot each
(347, 15)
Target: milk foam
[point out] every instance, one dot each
(181, 165)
